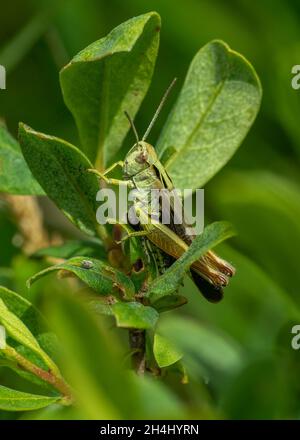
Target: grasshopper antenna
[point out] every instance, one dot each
(133, 127)
(162, 102)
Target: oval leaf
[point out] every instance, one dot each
(105, 79)
(212, 235)
(99, 306)
(72, 248)
(169, 302)
(13, 166)
(217, 352)
(164, 352)
(216, 108)
(25, 311)
(12, 400)
(61, 169)
(134, 315)
(36, 324)
(97, 275)
(18, 331)
(92, 360)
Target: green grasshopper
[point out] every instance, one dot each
(143, 172)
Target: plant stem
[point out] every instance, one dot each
(29, 218)
(104, 236)
(137, 341)
(47, 376)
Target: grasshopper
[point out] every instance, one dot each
(143, 171)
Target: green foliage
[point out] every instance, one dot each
(61, 170)
(85, 342)
(11, 400)
(122, 290)
(216, 107)
(100, 277)
(164, 351)
(100, 377)
(169, 302)
(25, 351)
(201, 345)
(134, 315)
(12, 166)
(105, 79)
(26, 325)
(72, 248)
(172, 278)
(20, 333)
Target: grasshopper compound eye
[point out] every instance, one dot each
(142, 157)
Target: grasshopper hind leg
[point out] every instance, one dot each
(210, 292)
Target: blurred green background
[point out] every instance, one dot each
(258, 191)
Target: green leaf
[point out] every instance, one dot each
(12, 400)
(54, 412)
(134, 315)
(150, 392)
(169, 302)
(91, 360)
(37, 326)
(30, 316)
(105, 79)
(2, 337)
(99, 306)
(212, 235)
(72, 248)
(35, 322)
(216, 108)
(18, 331)
(15, 176)
(164, 351)
(61, 170)
(13, 365)
(24, 310)
(100, 277)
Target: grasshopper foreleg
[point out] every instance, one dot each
(111, 181)
(135, 234)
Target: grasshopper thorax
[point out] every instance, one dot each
(139, 158)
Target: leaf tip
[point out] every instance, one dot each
(23, 131)
(156, 15)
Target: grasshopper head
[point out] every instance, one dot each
(142, 155)
(139, 158)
